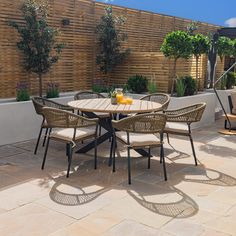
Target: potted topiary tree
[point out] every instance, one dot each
(224, 46)
(201, 45)
(177, 44)
(110, 39)
(38, 40)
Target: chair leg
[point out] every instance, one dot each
(160, 156)
(129, 166)
(45, 136)
(163, 160)
(193, 149)
(67, 151)
(114, 154)
(37, 144)
(95, 154)
(100, 130)
(168, 138)
(149, 158)
(45, 153)
(111, 151)
(70, 160)
(226, 124)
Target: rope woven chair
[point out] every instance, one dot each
(162, 98)
(91, 95)
(70, 128)
(87, 95)
(39, 103)
(179, 122)
(139, 132)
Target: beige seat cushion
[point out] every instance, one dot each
(176, 127)
(138, 140)
(67, 134)
(233, 98)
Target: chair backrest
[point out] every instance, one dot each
(144, 123)
(40, 102)
(57, 118)
(198, 109)
(189, 114)
(38, 105)
(87, 95)
(162, 98)
(50, 103)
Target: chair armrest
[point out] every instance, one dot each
(82, 121)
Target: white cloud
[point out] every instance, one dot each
(231, 22)
(107, 1)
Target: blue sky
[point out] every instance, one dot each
(220, 12)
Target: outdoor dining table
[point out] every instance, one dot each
(92, 107)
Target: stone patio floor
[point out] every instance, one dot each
(194, 201)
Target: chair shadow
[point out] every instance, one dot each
(222, 179)
(186, 207)
(218, 150)
(68, 199)
(183, 208)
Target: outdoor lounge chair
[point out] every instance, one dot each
(179, 122)
(39, 103)
(162, 98)
(137, 132)
(69, 128)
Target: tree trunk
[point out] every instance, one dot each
(173, 77)
(40, 85)
(197, 79)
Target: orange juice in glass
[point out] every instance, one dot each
(129, 101)
(123, 101)
(119, 95)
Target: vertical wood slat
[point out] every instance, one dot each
(77, 68)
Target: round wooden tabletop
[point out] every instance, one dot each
(104, 105)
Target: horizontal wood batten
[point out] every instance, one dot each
(76, 69)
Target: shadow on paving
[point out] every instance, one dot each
(184, 207)
(84, 177)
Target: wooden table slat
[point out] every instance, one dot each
(104, 105)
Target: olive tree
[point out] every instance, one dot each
(37, 39)
(110, 38)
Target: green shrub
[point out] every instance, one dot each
(52, 90)
(231, 79)
(100, 88)
(180, 87)
(223, 83)
(190, 85)
(137, 84)
(152, 87)
(22, 92)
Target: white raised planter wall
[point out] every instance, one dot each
(209, 113)
(19, 122)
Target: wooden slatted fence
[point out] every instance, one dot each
(77, 67)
